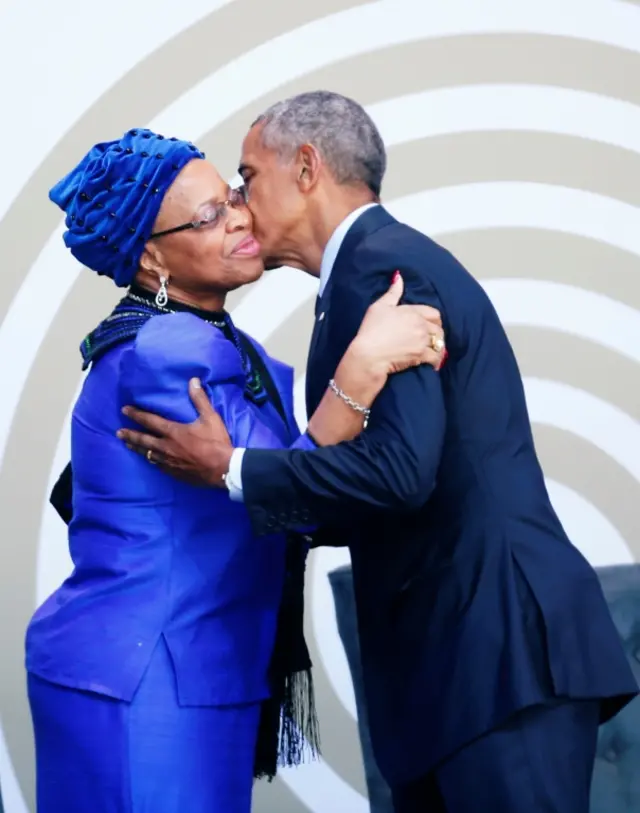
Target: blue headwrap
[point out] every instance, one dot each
(113, 196)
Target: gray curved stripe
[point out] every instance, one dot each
(586, 469)
(447, 62)
(275, 797)
(136, 98)
(369, 77)
(545, 158)
(579, 363)
(549, 256)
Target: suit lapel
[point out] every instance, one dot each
(320, 365)
(318, 320)
(321, 308)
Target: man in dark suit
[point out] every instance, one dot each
(489, 655)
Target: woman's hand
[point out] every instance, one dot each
(394, 337)
(391, 338)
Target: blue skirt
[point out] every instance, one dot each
(94, 753)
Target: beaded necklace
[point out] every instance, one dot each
(138, 306)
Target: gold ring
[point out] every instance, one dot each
(437, 343)
(150, 457)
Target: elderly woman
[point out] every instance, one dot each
(159, 670)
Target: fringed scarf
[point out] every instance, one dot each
(288, 731)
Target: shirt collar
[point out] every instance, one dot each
(335, 241)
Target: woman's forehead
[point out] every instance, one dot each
(198, 183)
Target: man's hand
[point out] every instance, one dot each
(197, 452)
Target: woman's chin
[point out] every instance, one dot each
(250, 271)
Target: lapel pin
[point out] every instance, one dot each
(321, 317)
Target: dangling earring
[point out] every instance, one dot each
(162, 297)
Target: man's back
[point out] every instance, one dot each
(472, 603)
(475, 604)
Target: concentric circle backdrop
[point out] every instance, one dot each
(514, 139)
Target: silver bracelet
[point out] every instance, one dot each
(364, 411)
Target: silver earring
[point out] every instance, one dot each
(162, 297)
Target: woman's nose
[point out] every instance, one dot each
(238, 218)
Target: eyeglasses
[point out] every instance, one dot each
(237, 197)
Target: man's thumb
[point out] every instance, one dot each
(200, 399)
(396, 289)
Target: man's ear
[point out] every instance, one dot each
(309, 164)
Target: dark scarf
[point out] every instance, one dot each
(288, 729)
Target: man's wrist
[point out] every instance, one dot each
(233, 476)
(360, 375)
(221, 468)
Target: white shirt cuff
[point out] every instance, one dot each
(234, 475)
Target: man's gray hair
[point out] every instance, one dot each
(339, 128)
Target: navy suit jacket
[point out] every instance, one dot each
(472, 602)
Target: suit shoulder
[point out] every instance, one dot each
(397, 247)
(399, 244)
(427, 268)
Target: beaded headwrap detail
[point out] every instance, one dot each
(112, 199)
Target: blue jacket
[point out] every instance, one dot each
(153, 556)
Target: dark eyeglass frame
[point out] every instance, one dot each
(237, 197)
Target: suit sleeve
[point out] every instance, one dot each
(392, 466)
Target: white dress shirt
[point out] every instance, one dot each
(234, 477)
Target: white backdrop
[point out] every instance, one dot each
(57, 60)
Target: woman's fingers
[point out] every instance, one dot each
(392, 296)
(426, 312)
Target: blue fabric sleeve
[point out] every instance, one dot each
(170, 350)
(167, 352)
(305, 442)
